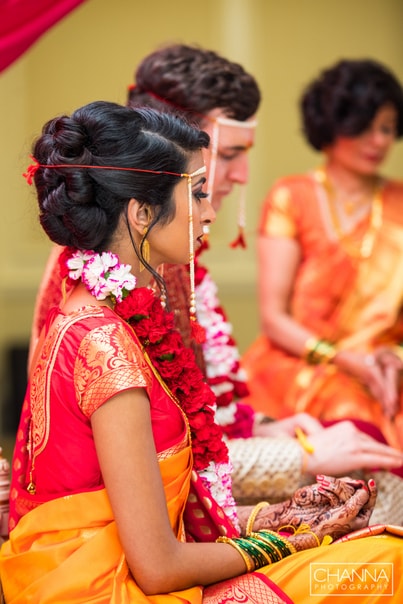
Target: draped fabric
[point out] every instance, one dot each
(22, 22)
(82, 359)
(355, 302)
(64, 545)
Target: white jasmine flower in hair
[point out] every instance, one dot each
(102, 274)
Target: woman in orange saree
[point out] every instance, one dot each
(121, 487)
(331, 263)
(67, 549)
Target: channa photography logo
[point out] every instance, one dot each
(351, 578)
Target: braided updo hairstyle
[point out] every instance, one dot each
(81, 207)
(194, 81)
(344, 99)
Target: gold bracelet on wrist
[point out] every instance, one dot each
(398, 350)
(252, 516)
(250, 566)
(318, 351)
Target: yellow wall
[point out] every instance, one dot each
(92, 54)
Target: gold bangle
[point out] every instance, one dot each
(318, 351)
(303, 441)
(252, 516)
(246, 558)
(398, 350)
(305, 529)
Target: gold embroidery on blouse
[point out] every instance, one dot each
(107, 363)
(136, 373)
(41, 379)
(277, 220)
(281, 198)
(172, 450)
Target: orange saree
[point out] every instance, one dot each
(356, 302)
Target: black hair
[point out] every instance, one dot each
(344, 99)
(81, 207)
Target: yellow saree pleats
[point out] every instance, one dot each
(367, 570)
(68, 550)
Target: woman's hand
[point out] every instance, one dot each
(331, 507)
(340, 520)
(379, 372)
(310, 503)
(343, 448)
(286, 427)
(349, 516)
(391, 366)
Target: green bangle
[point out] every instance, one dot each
(270, 549)
(257, 555)
(283, 543)
(318, 351)
(245, 556)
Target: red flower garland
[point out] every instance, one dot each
(154, 326)
(176, 364)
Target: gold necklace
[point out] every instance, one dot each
(351, 205)
(374, 224)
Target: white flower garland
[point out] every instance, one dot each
(102, 274)
(220, 354)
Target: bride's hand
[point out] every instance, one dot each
(345, 518)
(340, 506)
(311, 502)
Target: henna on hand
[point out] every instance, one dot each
(305, 506)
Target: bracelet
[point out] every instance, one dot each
(260, 549)
(318, 351)
(303, 441)
(398, 350)
(285, 546)
(252, 516)
(307, 448)
(245, 556)
(260, 554)
(305, 529)
(273, 551)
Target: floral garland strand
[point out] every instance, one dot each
(221, 356)
(175, 363)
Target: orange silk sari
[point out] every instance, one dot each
(352, 301)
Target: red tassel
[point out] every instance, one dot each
(240, 241)
(31, 170)
(197, 332)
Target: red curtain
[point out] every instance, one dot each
(22, 22)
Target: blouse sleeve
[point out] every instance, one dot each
(108, 361)
(277, 217)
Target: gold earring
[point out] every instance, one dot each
(144, 249)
